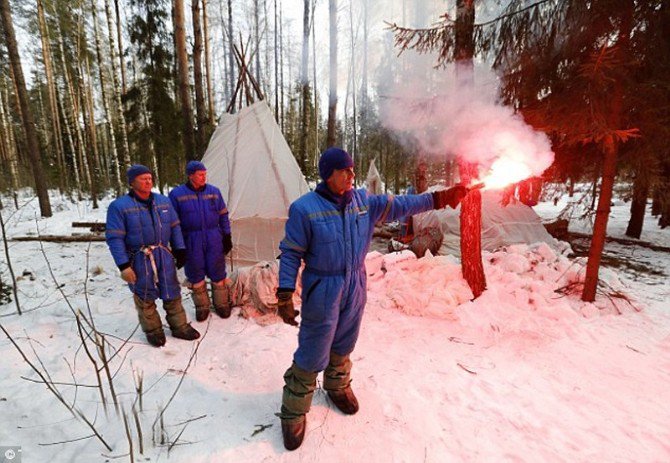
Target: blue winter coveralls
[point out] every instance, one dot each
(333, 243)
(138, 233)
(204, 222)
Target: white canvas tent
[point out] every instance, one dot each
(250, 161)
(515, 223)
(374, 181)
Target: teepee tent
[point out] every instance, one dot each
(249, 160)
(374, 181)
(515, 223)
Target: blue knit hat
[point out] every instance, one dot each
(333, 159)
(135, 170)
(193, 166)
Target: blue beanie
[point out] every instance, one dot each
(333, 159)
(193, 166)
(135, 170)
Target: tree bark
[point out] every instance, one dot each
(116, 91)
(610, 152)
(119, 38)
(200, 111)
(27, 119)
(304, 83)
(332, 98)
(114, 154)
(231, 53)
(51, 92)
(471, 206)
(182, 70)
(638, 206)
(208, 66)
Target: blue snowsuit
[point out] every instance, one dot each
(204, 222)
(333, 243)
(138, 231)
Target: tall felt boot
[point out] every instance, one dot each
(201, 302)
(337, 383)
(150, 321)
(296, 401)
(176, 318)
(221, 297)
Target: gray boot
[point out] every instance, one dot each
(201, 302)
(222, 303)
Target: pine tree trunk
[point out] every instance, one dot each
(332, 98)
(116, 90)
(26, 114)
(114, 153)
(610, 152)
(600, 225)
(282, 114)
(184, 90)
(197, 78)
(208, 67)
(302, 155)
(638, 206)
(471, 206)
(89, 126)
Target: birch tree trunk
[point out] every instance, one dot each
(51, 93)
(332, 97)
(182, 71)
(27, 119)
(119, 39)
(471, 206)
(197, 78)
(114, 154)
(116, 91)
(231, 55)
(8, 142)
(304, 83)
(208, 66)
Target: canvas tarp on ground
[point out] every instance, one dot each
(249, 160)
(501, 225)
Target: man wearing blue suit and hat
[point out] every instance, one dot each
(206, 227)
(330, 230)
(146, 242)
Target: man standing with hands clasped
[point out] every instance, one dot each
(204, 222)
(140, 226)
(330, 229)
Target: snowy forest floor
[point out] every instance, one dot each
(525, 373)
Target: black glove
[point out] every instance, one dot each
(179, 257)
(451, 197)
(285, 306)
(227, 243)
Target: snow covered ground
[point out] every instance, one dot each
(525, 373)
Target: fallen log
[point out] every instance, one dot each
(92, 226)
(83, 238)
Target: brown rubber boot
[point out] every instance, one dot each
(221, 297)
(150, 321)
(293, 432)
(337, 382)
(176, 318)
(296, 401)
(201, 302)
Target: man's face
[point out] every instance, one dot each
(342, 180)
(198, 178)
(142, 184)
